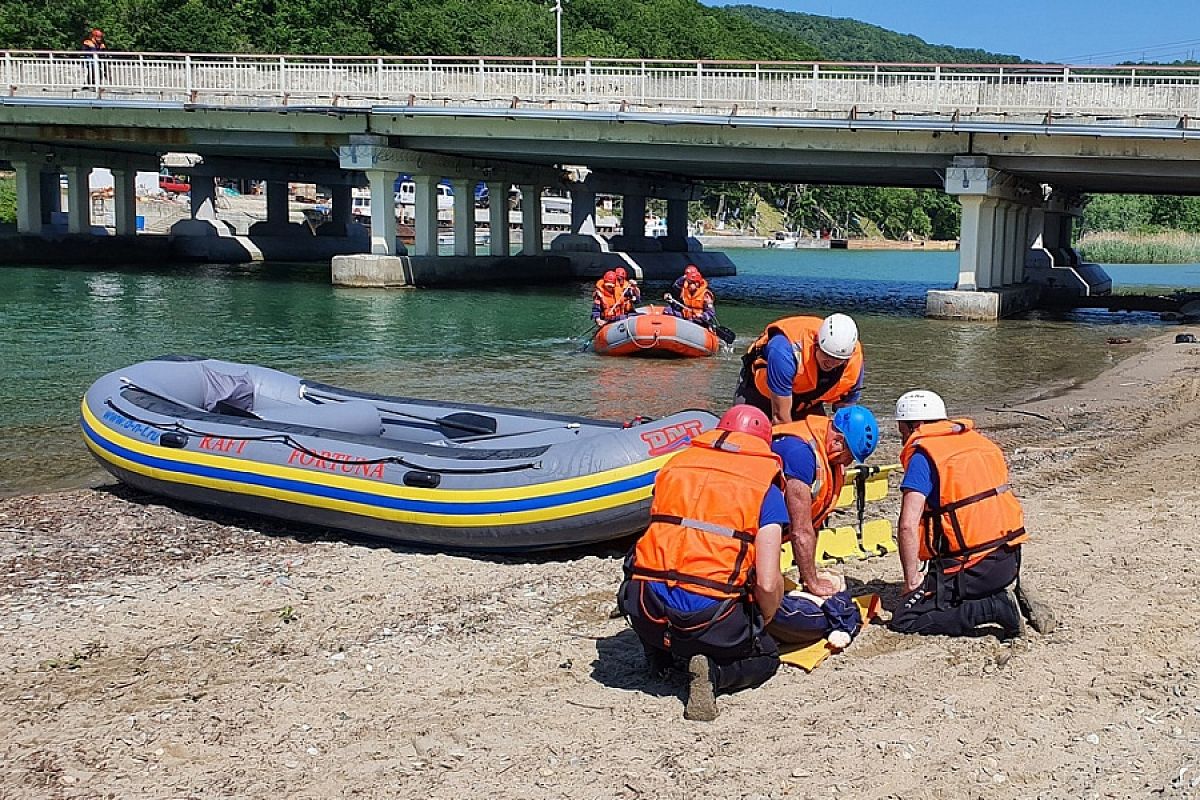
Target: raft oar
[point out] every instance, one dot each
(592, 338)
(726, 335)
(463, 420)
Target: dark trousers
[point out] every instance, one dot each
(955, 605)
(731, 634)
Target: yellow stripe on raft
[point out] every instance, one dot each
(382, 488)
(377, 512)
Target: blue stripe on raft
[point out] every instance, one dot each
(367, 498)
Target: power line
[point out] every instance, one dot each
(1169, 47)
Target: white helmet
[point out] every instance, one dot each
(920, 406)
(838, 336)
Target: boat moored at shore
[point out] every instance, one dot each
(440, 475)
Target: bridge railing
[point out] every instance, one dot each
(720, 87)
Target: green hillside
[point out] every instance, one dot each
(615, 28)
(850, 40)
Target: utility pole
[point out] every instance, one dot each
(558, 11)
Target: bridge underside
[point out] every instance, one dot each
(902, 153)
(1006, 215)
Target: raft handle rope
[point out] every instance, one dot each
(284, 438)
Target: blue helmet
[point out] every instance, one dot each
(857, 424)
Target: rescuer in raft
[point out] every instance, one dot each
(608, 301)
(691, 298)
(958, 515)
(800, 363)
(628, 289)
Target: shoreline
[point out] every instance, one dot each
(150, 650)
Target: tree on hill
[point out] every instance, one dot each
(682, 29)
(851, 40)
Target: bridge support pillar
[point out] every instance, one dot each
(29, 197)
(425, 215)
(531, 219)
(583, 210)
(633, 216)
(340, 210)
(1051, 261)
(51, 194)
(277, 203)
(203, 197)
(995, 208)
(383, 211)
(498, 229)
(79, 209)
(677, 220)
(464, 216)
(124, 202)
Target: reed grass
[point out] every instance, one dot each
(1116, 247)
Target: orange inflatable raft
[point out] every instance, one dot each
(654, 333)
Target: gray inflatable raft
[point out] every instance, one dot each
(453, 476)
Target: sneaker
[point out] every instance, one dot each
(1008, 613)
(701, 702)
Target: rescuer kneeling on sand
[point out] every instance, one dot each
(958, 514)
(815, 453)
(704, 579)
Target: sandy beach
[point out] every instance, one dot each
(149, 651)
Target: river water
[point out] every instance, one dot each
(61, 328)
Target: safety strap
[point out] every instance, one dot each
(695, 580)
(966, 554)
(950, 508)
(701, 525)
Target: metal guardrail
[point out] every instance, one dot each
(1118, 95)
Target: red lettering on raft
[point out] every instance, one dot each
(672, 437)
(342, 463)
(223, 445)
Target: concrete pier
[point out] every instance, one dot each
(1015, 243)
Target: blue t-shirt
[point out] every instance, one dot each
(773, 511)
(782, 369)
(920, 477)
(781, 365)
(799, 460)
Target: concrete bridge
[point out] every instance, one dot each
(1020, 145)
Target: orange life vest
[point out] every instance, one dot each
(628, 294)
(694, 299)
(704, 516)
(827, 486)
(91, 44)
(612, 301)
(810, 386)
(975, 511)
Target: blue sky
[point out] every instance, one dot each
(1079, 31)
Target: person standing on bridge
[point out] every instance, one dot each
(93, 43)
(691, 299)
(958, 515)
(704, 578)
(800, 363)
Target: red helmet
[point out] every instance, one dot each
(620, 273)
(610, 277)
(691, 273)
(97, 33)
(746, 419)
